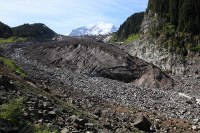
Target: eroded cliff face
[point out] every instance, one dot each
(152, 50)
(99, 60)
(148, 49)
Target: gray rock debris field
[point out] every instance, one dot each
(164, 102)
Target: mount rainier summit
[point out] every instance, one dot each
(94, 29)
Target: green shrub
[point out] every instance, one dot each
(196, 48)
(169, 30)
(13, 110)
(12, 66)
(113, 38)
(44, 129)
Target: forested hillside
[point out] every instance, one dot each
(130, 26)
(183, 14)
(38, 30)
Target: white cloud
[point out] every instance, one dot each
(64, 15)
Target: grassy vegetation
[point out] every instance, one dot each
(13, 110)
(12, 40)
(113, 38)
(132, 38)
(12, 66)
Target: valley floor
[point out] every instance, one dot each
(169, 108)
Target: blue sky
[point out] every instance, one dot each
(64, 15)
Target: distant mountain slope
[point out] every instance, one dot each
(37, 30)
(5, 30)
(94, 29)
(130, 26)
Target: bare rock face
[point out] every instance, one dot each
(154, 78)
(100, 60)
(152, 50)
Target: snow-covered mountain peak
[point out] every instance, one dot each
(99, 28)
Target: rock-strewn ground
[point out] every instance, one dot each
(168, 103)
(69, 111)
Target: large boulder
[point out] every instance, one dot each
(154, 78)
(142, 123)
(6, 83)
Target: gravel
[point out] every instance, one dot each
(164, 102)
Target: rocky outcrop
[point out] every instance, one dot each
(142, 123)
(149, 50)
(99, 60)
(163, 46)
(152, 49)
